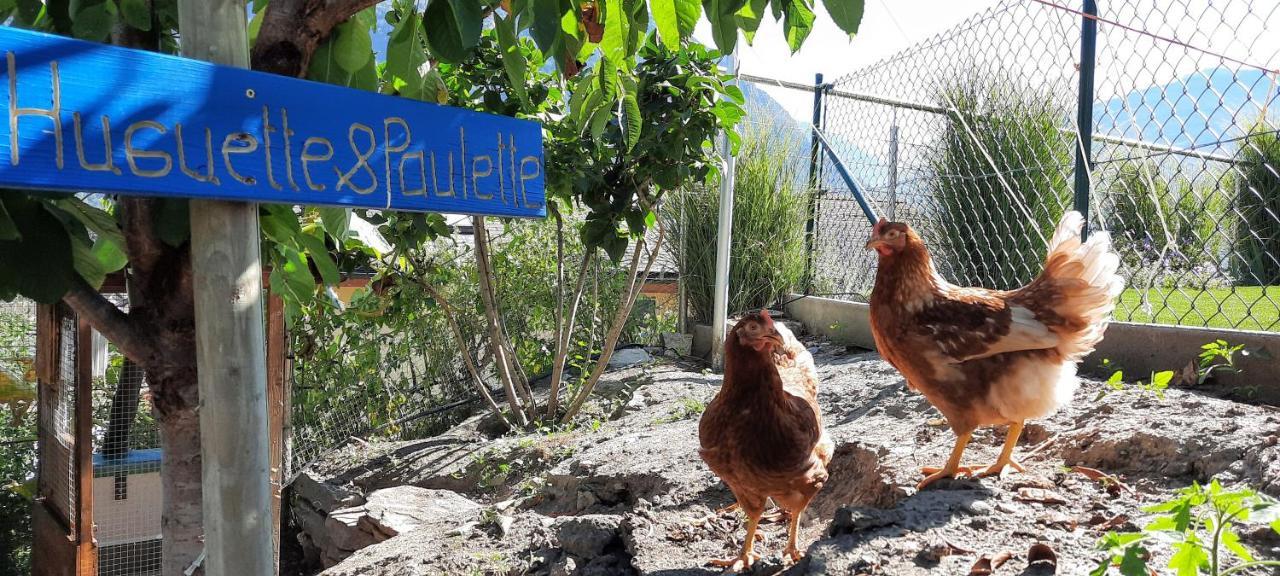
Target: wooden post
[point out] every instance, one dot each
(87, 553)
(277, 410)
(230, 343)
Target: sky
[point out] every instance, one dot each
(830, 51)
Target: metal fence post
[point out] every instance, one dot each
(1084, 109)
(893, 167)
(815, 159)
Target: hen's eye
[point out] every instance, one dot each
(890, 235)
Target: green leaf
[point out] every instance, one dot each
(1187, 559)
(255, 26)
(599, 120)
(1116, 378)
(324, 65)
(39, 266)
(353, 46)
(724, 24)
(1232, 541)
(798, 23)
(109, 255)
(650, 219)
(631, 121)
(668, 22)
(336, 221)
(279, 224)
(749, 16)
(1162, 379)
(297, 275)
(96, 219)
(136, 14)
(8, 229)
(616, 247)
(93, 22)
(86, 262)
(405, 54)
(1132, 563)
(319, 255)
(453, 28)
(513, 60)
(847, 14)
(616, 30)
(607, 79)
(546, 23)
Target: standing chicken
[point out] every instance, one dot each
(991, 357)
(762, 434)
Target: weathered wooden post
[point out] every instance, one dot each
(230, 343)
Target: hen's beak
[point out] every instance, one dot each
(874, 243)
(777, 340)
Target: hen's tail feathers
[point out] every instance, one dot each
(1086, 274)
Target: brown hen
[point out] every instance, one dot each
(762, 434)
(991, 357)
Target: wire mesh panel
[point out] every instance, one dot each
(971, 137)
(57, 486)
(126, 469)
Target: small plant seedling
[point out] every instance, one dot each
(1200, 523)
(1219, 356)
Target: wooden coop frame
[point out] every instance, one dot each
(63, 527)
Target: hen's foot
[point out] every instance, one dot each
(793, 553)
(935, 474)
(1001, 469)
(736, 564)
(777, 515)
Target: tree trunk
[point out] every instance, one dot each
(182, 515)
(124, 411)
(491, 319)
(635, 282)
(564, 336)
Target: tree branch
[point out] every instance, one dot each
(106, 318)
(137, 221)
(293, 29)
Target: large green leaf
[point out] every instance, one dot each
(86, 262)
(846, 13)
(109, 255)
(336, 221)
(749, 16)
(798, 23)
(512, 58)
(95, 219)
(173, 221)
(405, 55)
(353, 45)
(1188, 557)
(546, 23)
(667, 22)
(632, 122)
(39, 266)
(319, 255)
(616, 30)
(93, 21)
(324, 65)
(136, 13)
(724, 24)
(453, 28)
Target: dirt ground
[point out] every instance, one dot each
(625, 492)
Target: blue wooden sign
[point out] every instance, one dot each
(86, 117)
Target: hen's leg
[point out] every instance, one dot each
(747, 557)
(1006, 454)
(775, 515)
(953, 463)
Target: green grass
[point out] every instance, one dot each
(1242, 307)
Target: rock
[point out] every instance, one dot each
(587, 536)
(682, 344)
(628, 357)
(852, 520)
(565, 566)
(389, 512)
(323, 496)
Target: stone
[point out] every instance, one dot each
(387, 513)
(324, 496)
(628, 357)
(682, 344)
(587, 536)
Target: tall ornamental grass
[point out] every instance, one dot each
(767, 252)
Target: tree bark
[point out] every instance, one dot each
(124, 411)
(491, 319)
(564, 335)
(293, 29)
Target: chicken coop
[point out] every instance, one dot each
(97, 495)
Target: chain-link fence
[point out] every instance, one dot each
(17, 434)
(972, 137)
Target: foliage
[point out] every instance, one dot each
(17, 432)
(1000, 177)
(1258, 203)
(769, 207)
(1163, 221)
(1201, 524)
